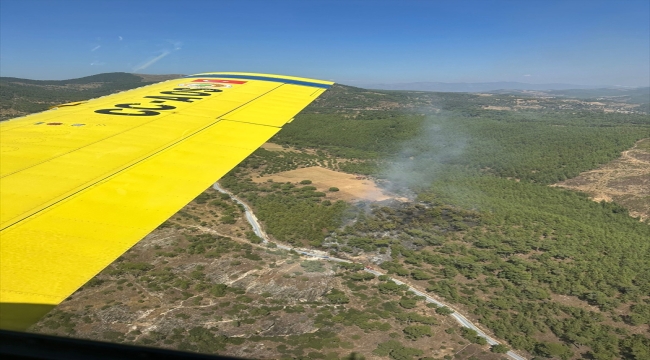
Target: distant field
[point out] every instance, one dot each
(350, 187)
(644, 145)
(625, 180)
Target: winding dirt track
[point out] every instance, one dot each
(252, 219)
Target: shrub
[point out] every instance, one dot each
(337, 297)
(553, 350)
(499, 349)
(228, 219)
(202, 198)
(312, 266)
(415, 332)
(252, 237)
(362, 276)
(408, 303)
(444, 310)
(390, 287)
(218, 290)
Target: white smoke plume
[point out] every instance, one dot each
(421, 158)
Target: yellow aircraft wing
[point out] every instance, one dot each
(82, 183)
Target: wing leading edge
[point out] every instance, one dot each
(80, 185)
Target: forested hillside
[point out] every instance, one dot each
(540, 256)
(538, 145)
(23, 96)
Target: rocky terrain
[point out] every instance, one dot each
(199, 284)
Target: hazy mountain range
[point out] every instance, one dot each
(475, 87)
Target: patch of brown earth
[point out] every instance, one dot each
(280, 148)
(625, 180)
(491, 107)
(11, 112)
(351, 187)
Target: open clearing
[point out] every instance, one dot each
(277, 147)
(351, 187)
(625, 180)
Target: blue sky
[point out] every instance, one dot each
(588, 42)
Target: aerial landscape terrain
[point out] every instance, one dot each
(385, 212)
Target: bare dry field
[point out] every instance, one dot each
(491, 107)
(273, 147)
(351, 187)
(277, 147)
(625, 180)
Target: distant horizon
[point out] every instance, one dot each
(349, 82)
(413, 86)
(564, 86)
(510, 82)
(351, 42)
(398, 82)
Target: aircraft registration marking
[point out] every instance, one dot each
(179, 94)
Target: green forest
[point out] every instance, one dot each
(538, 146)
(488, 233)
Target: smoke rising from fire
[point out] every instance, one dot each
(422, 158)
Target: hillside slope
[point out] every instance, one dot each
(20, 97)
